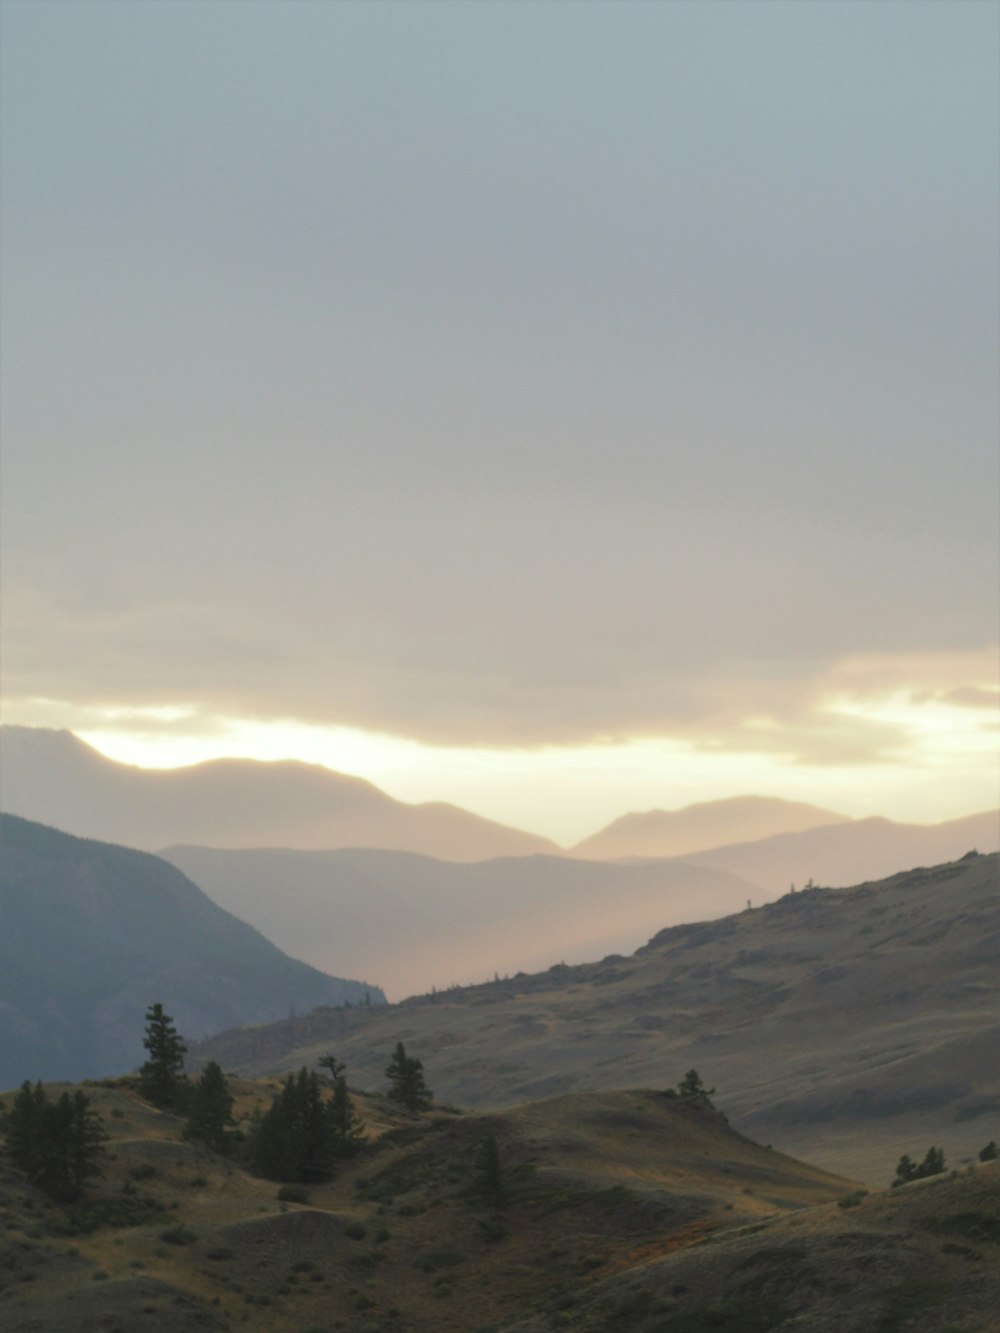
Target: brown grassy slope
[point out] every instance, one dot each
(403, 1239)
(845, 1026)
(925, 1259)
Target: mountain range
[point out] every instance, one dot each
(91, 934)
(56, 779)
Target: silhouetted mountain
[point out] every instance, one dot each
(844, 854)
(416, 923)
(659, 833)
(53, 777)
(91, 934)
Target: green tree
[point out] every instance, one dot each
(989, 1153)
(406, 1080)
(210, 1109)
(692, 1087)
(162, 1079)
(907, 1169)
(345, 1125)
(58, 1145)
(293, 1139)
(333, 1067)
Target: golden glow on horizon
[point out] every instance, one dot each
(566, 793)
(911, 754)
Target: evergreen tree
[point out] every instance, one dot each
(989, 1153)
(162, 1079)
(57, 1145)
(691, 1086)
(345, 1125)
(293, 1140)
(907, 1169)
(210, 1109)
(333, 1067)
(406, 1078)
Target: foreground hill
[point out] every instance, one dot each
(660, 833)
(615, 1211)
(54, 778)
(91, 934)
(846, 1026)
(418, 923)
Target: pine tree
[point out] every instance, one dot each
(162, 1081)
(406, 1076)
(293, 1139)
(692, 1087)
(57, 1145)
(210, 1111)
(345, 1125)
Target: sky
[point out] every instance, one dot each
(556, 408)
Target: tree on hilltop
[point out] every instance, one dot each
(406, 1079)
(692, 1087)
(161, 1078)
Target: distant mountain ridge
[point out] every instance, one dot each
(91, 934)
(671, 833)
(416, 922)
(55, 778)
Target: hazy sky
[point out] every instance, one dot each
(559, 408)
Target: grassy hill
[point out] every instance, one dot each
(846, 1026)
(629, 1210)
(90, 934)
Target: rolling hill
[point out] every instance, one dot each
(845, 1026)
(631, 1210)
(54, 778)
(91, 934)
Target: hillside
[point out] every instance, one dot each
(671, 833)
(91, 934)
(54, 778)
(629, 1210)
(846, 1026)
(418, 923)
